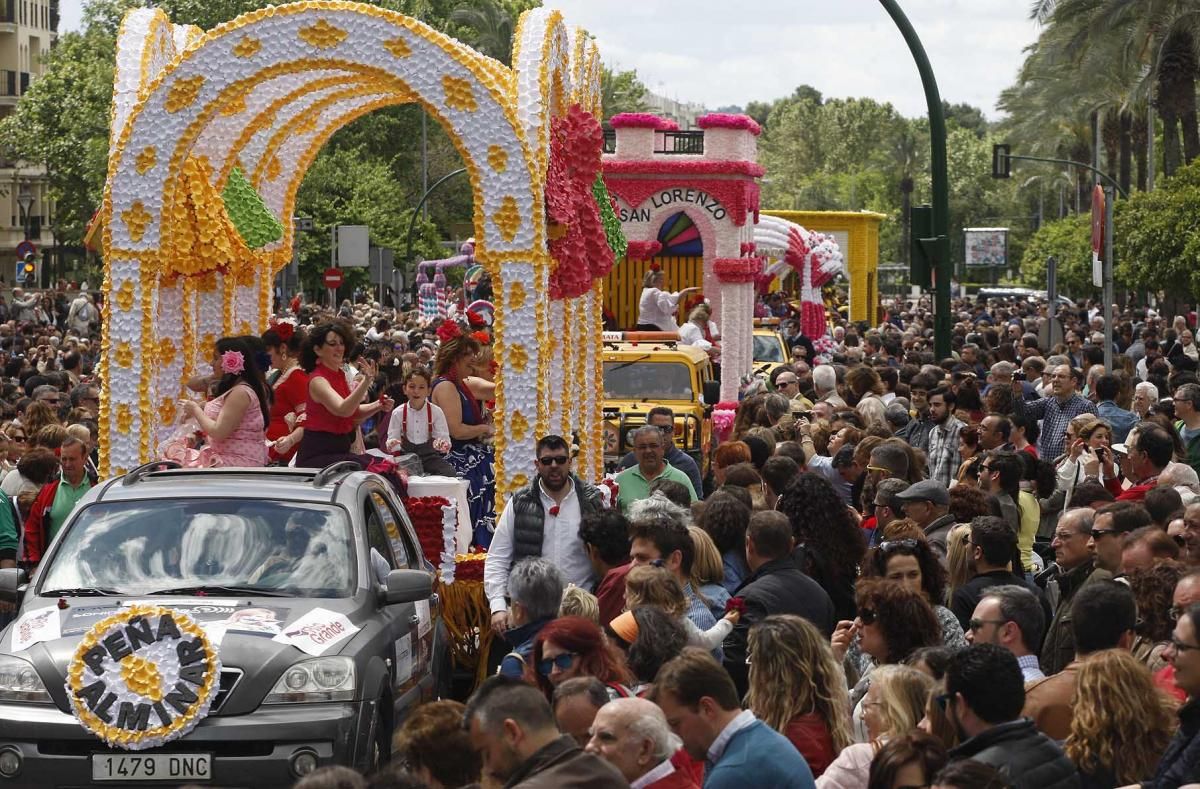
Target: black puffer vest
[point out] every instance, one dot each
(529, 519)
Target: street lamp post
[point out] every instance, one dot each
(25, 201)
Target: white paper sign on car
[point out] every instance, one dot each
(424, 620)
(317, 631)
(34, 627)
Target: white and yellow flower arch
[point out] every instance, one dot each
(246, 107)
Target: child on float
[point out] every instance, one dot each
(418, 426)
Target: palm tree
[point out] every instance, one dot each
(491, 26)
(1160, 39)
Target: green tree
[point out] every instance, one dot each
(1156, 244)
(1069, 240)
(491, 28)
(621, 91)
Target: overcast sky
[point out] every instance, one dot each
(696, 50)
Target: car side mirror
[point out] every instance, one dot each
(712, 392)
(407, 586)
(11, 581)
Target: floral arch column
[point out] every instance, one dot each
(210, 148)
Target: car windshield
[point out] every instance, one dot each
(767, 349)
(647, 380)
(156, 546)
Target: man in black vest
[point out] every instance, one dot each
(541, 520)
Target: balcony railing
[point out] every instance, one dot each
(682, 142)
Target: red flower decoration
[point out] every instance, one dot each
(736, 604)
(448, 330)
(475, 319)
(284, 330)
(554, 510)
(582, 252)
(656, 267)
(483, 337)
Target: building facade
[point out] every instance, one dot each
(28, 29)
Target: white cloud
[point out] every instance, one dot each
(720, 53)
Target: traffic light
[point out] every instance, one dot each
(27, 269)
(920, 227)
(1001, 163)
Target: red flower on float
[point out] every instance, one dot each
(475, 319)
(448, 330)
(582, 252)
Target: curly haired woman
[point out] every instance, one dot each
(1153, 589)
(829, 543)
(1121, 723)
(797, 688)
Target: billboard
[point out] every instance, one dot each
(986, 246)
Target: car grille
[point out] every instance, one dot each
(230, 677)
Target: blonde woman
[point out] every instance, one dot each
(958, 559)
(893, 706)
(708, 572)
(700, 331)
(1122, 723)
(798, 689)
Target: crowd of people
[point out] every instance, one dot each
(895, 571)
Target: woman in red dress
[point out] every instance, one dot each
(290, 384)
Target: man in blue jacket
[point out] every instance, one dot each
(701, 706)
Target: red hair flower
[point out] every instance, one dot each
(475, 319)
(285, 330)
(448, 330)
(483, 337)
(655, 267)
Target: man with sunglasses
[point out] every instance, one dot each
(541, 519)
(1010, 616)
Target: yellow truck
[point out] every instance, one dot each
(770, 351)
(647, 369)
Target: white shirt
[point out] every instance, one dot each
(691, 334)
(560, 544)
(658, 307)
(418, 424)
(663, 769)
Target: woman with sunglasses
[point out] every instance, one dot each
(572, 646)
(893, 620)
(909, 561)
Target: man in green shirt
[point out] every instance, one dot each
(634, 482)
(72, 486)
(54, 503)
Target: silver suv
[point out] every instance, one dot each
(245, 553)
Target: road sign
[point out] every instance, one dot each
(333, 278)
(353, 245)
(25, 248)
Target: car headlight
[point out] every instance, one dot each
(19, 681)
(320, 679)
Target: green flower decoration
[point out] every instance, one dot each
(254, 221)
(608, 217)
